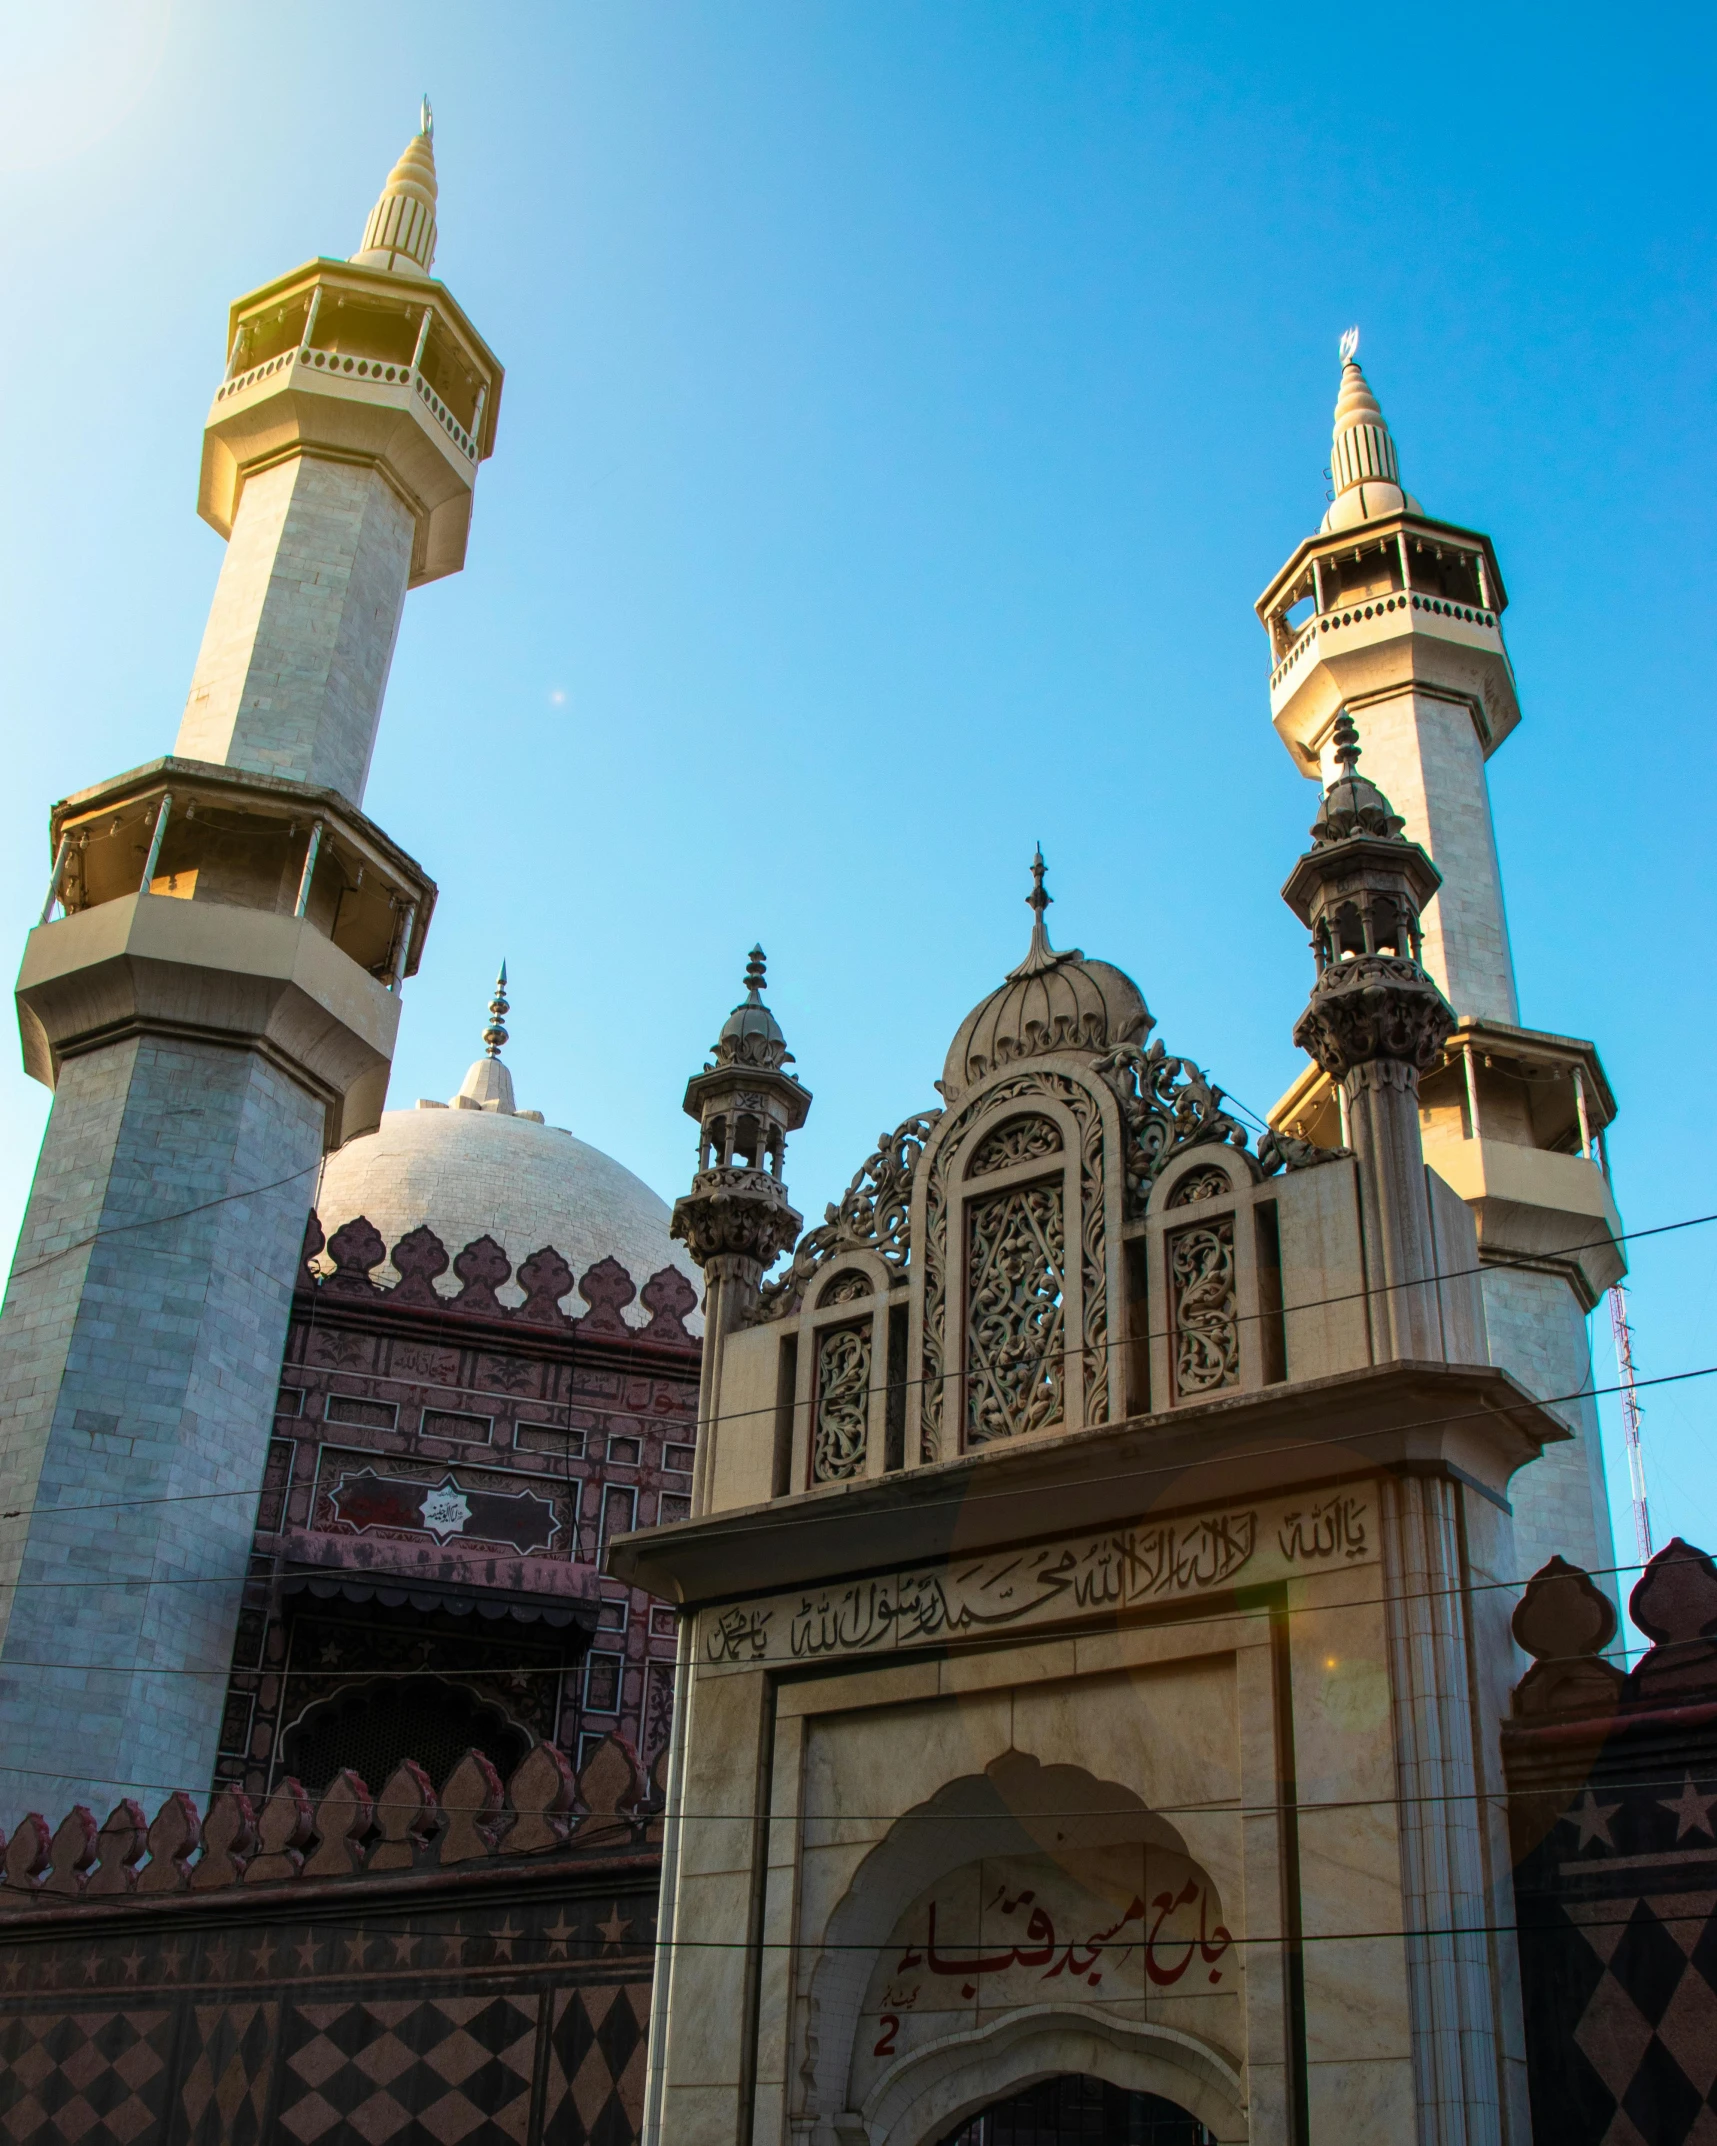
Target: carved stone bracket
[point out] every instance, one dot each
(735, 1214)
(1376, 1007)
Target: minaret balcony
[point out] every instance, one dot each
(1376, 611)
(261, 912)
(365, 366)
(1513, 1120)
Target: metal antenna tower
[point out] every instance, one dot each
(1624, 1341)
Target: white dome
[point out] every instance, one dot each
(474, 1172)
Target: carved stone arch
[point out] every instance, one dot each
(1016, 1806)
(835, 1283)
(1238, 1166)
(1067, 1091)
(938, 2088)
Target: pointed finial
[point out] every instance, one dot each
(401, 231)
(426, 126)
(1345, 738)
(754, 976)
(1040, 955)
(496, 1032)
(1037, 900)
(1362, 464)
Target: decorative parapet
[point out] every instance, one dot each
(342, 1267)
(409, 1829)
(1612, 1781)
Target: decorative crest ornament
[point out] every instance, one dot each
(499, 1006)
(873, 1214)
(1349, 346)
(426, 123)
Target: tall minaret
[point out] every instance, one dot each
(1394, 620)
(215, 1007)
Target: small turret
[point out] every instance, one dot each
(1374, 1023)
(736, 1220)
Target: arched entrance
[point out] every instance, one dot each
(1078, 2108)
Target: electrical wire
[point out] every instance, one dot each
(818, 1516)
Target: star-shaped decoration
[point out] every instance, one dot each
(263, 1956)
(91, 1966)
(452, 1949)
(503, 1939)
(355, 1950)
(220, 1960)
(615, 1928)
(1593, 1819)
(557, 1934)
(14, 1968)
(333, 1654)
(172, 1959)
(1692, 1810)
(307, 1956)
(403, 1948)
(132, 1962)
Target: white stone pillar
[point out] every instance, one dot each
(1422, 750)
(1446, 1908)
(300, 639)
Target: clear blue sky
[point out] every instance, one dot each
(905, 403)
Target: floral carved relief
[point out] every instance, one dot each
(1017, 1261)
(843, 1403)
(1196, 1185)
(875, 1211)
(1206, 1308)
(1091, 1237)
(1020, 1140)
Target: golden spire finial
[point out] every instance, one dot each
(401, 231)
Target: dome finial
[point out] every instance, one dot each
(426, 125)
(754, 973)
(400, 234)
(1040, 955)
(1349, 345)
(496, 1032)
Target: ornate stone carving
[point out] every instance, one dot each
(847, 1288)
(1020, 1140)
(1017, 1261)
(1092, 1237)
(838, 1441)
(1205, 1184)
(735, 1214)
(875, 1212)
(1374, 1007)
(1282, 1151)
(1167, 1106)
(1206, 1310)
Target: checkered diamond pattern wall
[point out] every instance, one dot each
(520, 2022)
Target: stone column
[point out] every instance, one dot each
(1457, 2037)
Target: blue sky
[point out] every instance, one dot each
(905, 404)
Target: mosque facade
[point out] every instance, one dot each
(1046, 1627)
